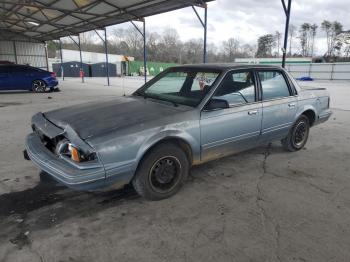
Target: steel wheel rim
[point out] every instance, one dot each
(300, 134)
(39, 86)
(165, 174)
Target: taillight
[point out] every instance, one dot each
(53, 75)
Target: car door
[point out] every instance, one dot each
(228, 130)
(5, 78)
(279, 104)
(23, 77)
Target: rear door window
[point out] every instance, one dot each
(273, 85)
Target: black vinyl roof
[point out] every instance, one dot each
(51, 19)
(226, 66)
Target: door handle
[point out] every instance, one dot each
(253, 112)
(291, 104)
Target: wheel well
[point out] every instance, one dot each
(177, 141)
(39, 79)
(310, 114)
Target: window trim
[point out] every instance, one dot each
(232, 71)
(291, 90)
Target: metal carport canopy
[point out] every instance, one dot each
(44, 20)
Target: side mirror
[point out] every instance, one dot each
(215, 104)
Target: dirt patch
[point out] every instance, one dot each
(30, 199)
(47, 205)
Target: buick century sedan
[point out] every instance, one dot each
(185, 116)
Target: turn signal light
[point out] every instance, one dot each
(74, 153)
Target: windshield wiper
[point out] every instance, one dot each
(138, 93)
(174, 103)
(145, 96)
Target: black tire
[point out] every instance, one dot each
(38, 86)
(298, 135)
(162, 172)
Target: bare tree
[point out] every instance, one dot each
(230, 48)
(291, 32)
(332, 30)
(192, 51)
(248, 50)
(313, 32)
(304, 36)
(278, 40)
(170, 41)
(326, 26)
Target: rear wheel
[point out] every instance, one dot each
(38, 86)
(161, 172)
(298, 135)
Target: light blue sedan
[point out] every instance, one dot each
(185, 116)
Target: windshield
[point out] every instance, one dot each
(181, 86)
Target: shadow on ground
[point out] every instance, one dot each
(49, 204)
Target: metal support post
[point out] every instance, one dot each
(143, 33)
(144, 51)
(61, 66)
(81, 58)
(15, 51)
(287, 13)
(105, 43)
(46, 56)
(106, 51)
(204, 24)
(81, 61)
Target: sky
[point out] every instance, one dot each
(246, 20)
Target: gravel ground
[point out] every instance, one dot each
(261, 205)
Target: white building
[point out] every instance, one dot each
(274, 60)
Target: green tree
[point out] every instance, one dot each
(265, 45)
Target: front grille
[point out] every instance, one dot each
(48, 143)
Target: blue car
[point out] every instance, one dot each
(22, 77)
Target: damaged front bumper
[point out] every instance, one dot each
(84, 176)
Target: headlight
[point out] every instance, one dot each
(67, 149)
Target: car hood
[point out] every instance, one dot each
(97, 118)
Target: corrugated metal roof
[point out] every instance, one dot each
(51, 19)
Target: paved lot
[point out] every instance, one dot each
(261, 205)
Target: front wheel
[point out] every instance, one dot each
(298, 135)
(38, 86)
(161, 172)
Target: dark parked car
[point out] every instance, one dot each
(185, 116)
(22, 77)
